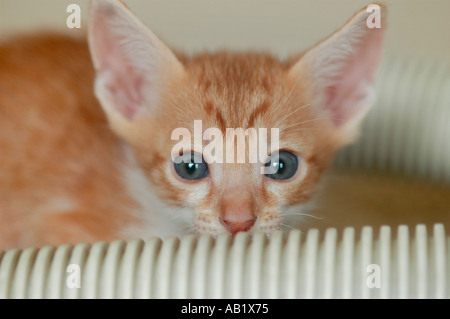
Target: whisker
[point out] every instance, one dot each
(287, 226)
(302, 214)
(290, 93)
(308, 121)
(293, 112)
(303, 129)
(189, 228)
(182, 111)
(187, 98)
(188, 110)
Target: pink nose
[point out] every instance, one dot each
(235, 227)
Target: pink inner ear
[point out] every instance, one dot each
(120, 60)
(351, 87)
(127, 91)
(343, 99)
(126, 84)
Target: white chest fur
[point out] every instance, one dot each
(155, 217)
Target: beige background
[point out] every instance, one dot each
(281, 26)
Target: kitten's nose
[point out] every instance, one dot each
(235, 227)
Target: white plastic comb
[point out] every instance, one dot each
(411, 264)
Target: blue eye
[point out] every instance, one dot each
(285, 165)
(191, 166)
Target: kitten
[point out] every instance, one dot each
(73, 169)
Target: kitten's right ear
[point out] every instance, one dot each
(132, 65)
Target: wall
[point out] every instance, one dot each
(281, 26)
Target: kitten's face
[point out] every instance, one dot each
(317, 102)
(238, 91)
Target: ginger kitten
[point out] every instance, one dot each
(76, 170)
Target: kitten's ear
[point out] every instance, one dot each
(339, 71)
(132, 65)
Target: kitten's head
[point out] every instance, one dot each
(151, 96)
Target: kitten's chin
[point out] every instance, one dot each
(265, 230)
(259, 227)
(215, 231)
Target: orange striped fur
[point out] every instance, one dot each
(68, 174)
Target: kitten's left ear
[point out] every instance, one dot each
(133, 67)
(339, 71)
